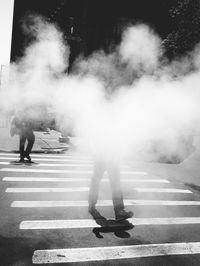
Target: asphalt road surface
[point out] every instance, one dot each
(44, 216)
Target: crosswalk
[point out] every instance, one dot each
(102, 203)
(42, 181)
(113, 253)
(87, 223)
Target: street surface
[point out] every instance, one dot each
(44, 217)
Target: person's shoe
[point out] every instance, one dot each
(28, 159)
(123, 215)
(21, 160)
(95, 214)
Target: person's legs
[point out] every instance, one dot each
(31, 140)
(99, 168)
(114, 176)
(117, 197)
(22, 140)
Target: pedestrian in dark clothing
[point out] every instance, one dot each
(24, 128)
(113, 169)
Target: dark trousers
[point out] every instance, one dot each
(113, 170)
(30, 138)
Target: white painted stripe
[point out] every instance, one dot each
(89, 223)
(81, 189)
(44, 155)
(71, 189)
(63, 165)
(163, 190)
(70, 165)
(88, 165)
(53, 160)
(26, 170)
(68, 179)
(114, 252)
(56, 158)
(53, 165)
(45, 189)
(64, 171)
(85, 161)
(38, 204)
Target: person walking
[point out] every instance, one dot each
(113, 169)
(23, 127)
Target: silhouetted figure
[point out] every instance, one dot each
(21, 126)
(113, 169)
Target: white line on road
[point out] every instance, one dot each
(63, 171)
(52, 204)
(82, 189)
(87, 165)
(163, 190)
(43, 155)
(113, 253)
(52, 160)
(70, 165)
(46, 189)
(89, 223)
(55, 164)
(25, 170)
(68, 179)
(64, 165)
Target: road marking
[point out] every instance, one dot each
(81, 189)
(113, 253)
(163, 190)
(71, 189)
(63, 171)
(80, 157)
(68, 179)
(69, 164)
(52, 204)
(54, 164)
(47, 190)
(89, 223)
(52, 160)
(25, 170)
(64, 165)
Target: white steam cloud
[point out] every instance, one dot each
(127, 102)
(141, 48)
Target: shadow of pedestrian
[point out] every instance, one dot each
(27, 163)
(112, 226)
(16, 163)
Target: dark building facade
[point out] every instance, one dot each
(90, 25)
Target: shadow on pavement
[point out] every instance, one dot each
(27, 163)
(15, 251)
(112, 226)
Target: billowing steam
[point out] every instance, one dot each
(141, 48)
(128, 102)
